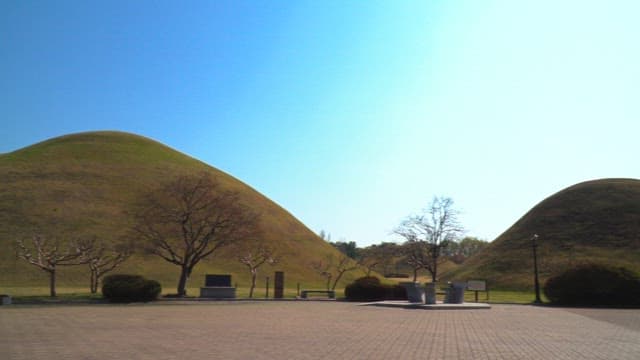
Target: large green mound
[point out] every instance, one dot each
(84, 185)
(594, 221)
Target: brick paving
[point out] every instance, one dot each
(314, 330)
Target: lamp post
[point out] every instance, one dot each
(534, 244)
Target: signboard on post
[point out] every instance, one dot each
(477, 285)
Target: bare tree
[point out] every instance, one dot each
(334, 268)
(324, 269)
(385, 254)
(103, 258)
(253, 257)
(376, 257)
(368, 263)
(48, 255)
(432, 231)
(416, 255)
(189, 219)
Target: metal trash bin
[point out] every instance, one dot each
(430, 293)
(454, 294)
(5, 300)
(457, 293)
(415, 292)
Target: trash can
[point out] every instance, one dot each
(5, 299)
(430, 293)
(415, 292)
(456, 292)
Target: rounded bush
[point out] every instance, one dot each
(368, 280)
(369, 288)
(123, 288)
(594, 285)
(396, 275)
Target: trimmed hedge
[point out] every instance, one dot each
(369, 288)
(123, 288)
(394, 275)
(594, 285)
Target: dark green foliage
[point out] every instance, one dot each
(594, 285)
(458, 252)
(130, 288)
(395, 275)
(349, 249)
(369, 288)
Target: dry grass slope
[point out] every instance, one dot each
(84, 185)
(594, 221)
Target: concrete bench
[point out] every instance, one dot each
(218, 292)
(218, 286)
(305, 293)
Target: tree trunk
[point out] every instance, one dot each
(94, 282)
(182, 284)
(335, 283)
(52, 283)
(254, 275)
(329, 282)
(434, 273)
(415, 275)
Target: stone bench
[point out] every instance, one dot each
(218, 292)
(305, 293)
(218, 287)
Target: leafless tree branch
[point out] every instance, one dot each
(190, 218)
(429, 233)
(47, 255)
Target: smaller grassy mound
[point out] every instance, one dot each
(594, 285)
(591, 222)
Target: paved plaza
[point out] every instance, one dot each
(314, 330)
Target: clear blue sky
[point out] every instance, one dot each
(351, 115)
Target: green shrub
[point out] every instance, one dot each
(594, 285)
(396, 275)
(122, 288)
(369, 288)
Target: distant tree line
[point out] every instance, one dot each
(390, 258)
(431, 238)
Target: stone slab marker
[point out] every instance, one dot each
(218, 287)
(217, 280)
(278, 291)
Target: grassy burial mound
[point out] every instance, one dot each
(84, 185)
(594, 221)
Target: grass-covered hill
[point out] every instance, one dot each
(84, 185)
(594, 221)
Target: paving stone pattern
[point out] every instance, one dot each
(314, 330)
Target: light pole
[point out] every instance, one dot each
(534, 244)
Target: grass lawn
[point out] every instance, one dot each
(81, 293)
(74, 293)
